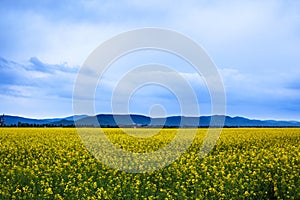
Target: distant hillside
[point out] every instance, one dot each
(108, 120)
(16, 120)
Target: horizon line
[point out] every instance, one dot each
(174, 115)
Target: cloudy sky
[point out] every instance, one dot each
(254, 44)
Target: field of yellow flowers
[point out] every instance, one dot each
(246, 163)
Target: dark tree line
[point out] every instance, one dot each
(2, 123)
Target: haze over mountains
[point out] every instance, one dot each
(133, 120)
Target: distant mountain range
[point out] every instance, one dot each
(109, 120)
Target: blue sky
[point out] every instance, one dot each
(254, 44)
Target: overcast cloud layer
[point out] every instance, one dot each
(255, 45)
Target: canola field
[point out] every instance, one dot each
(246, 163)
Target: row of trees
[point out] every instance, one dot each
(20, 124)
(2, 123)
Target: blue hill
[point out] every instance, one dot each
(109, 120)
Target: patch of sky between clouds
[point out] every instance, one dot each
(123, 65)
(141, 100)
